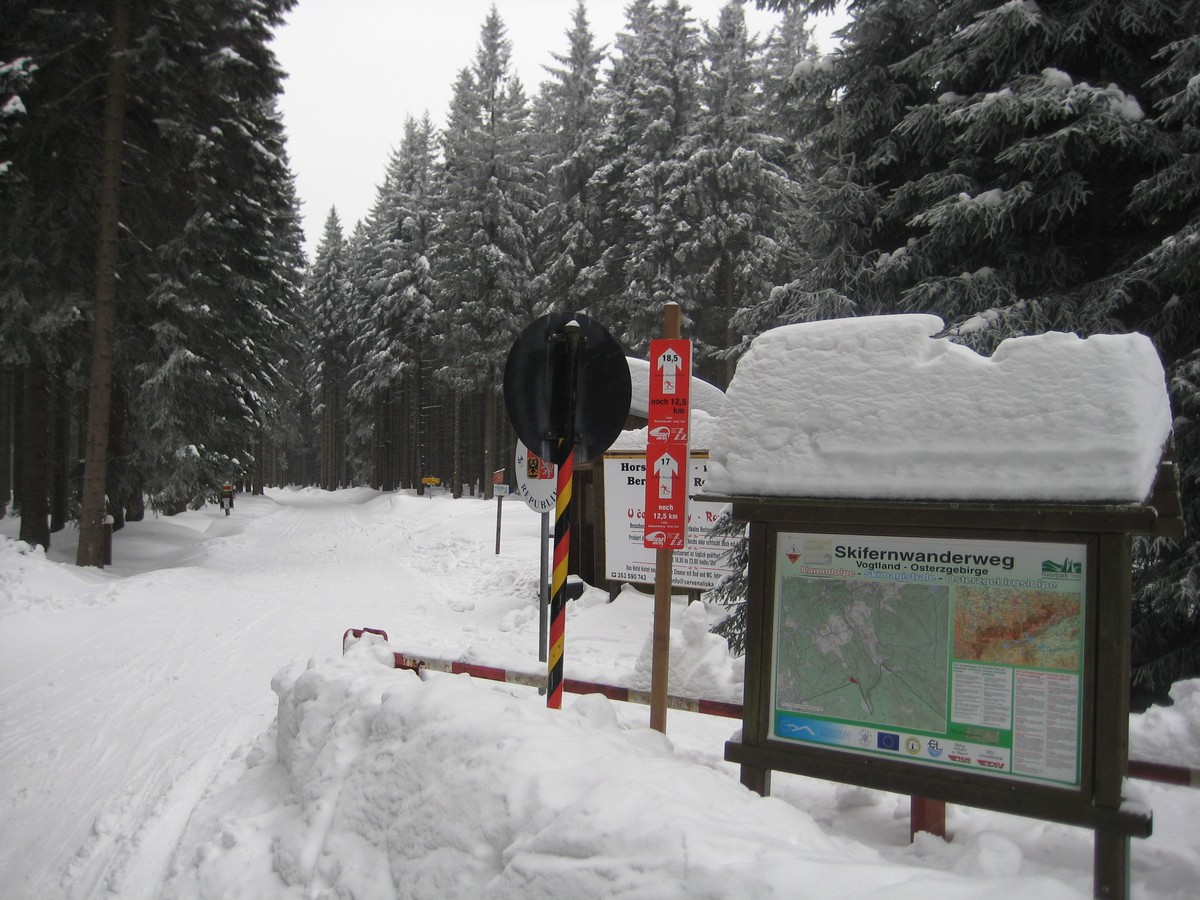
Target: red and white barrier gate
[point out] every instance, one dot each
(1141, 769)
(530, 679)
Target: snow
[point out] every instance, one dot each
(874, 407)
(1057, 78)
(1125, 105)
(183, 724)
(703, 397)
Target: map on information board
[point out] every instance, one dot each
(1040, 629)
(934, 651)
(880, 650)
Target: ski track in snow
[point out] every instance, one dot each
(157, 678)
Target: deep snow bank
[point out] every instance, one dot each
(382, 785)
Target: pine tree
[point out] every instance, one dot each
(206, 250)
(327, 299)
(1016, 168)
(391, 346)
(486, 240)
(52, 90)
(734, 187)
(1166, 630)
(653, 95)
(569, 113)
(224, 271)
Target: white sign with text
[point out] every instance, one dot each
(701, 565)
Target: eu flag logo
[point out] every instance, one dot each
(888, 741)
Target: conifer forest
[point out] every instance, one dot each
(1013, 167)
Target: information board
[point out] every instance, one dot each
(700, 565)
(965, 654)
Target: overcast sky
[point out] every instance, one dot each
(357, 68)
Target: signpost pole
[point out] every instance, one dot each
(566, 391)
(497, 480)
(664, 559)
(562, 532)
(544, 588)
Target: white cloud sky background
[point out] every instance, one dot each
(357, 68)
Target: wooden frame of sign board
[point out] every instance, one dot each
(1105, 530)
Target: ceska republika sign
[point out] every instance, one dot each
(667, 467)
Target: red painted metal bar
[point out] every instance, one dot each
(1143, 770)
(1163, 773)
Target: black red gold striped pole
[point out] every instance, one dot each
(562, 531)
(558, 583)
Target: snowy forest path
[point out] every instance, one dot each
(144, 681)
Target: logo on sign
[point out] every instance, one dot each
(537, 468)
(888, 740)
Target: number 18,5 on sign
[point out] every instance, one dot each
(667, 439)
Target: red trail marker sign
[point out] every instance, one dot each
(668, 434)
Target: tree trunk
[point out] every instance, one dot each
(417, 402)
(490, 453)
(6, 437)
(104, 315)
(260, 462)
(456, 469)
(60, 455)
(35, 469)
(731, 336)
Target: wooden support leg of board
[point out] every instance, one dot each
(1110, 875)
(757, 779)
(926, 815)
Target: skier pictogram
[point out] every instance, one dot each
(666, 470)
(669, 364)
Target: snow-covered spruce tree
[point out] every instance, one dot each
(568, 115)
(1006, 168)
(205, 225)
(735, 192)
(52, 90)
(1166, 634)
(485, 261)
(840, 109)
(327, 301)
(653, 96)
(731, 592)
(392, 333)
(217, 323)
(360, 412)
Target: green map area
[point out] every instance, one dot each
(867, 651)
(1038, 629)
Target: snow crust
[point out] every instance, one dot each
(875, 407)
(704, 397)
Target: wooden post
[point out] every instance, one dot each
(926, 815)
(663, 563)
(1111, 852)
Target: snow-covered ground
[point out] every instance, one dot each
(183, 724)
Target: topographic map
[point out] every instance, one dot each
(1038, 629)
(868, 651)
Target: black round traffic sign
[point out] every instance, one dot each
(566, 363)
